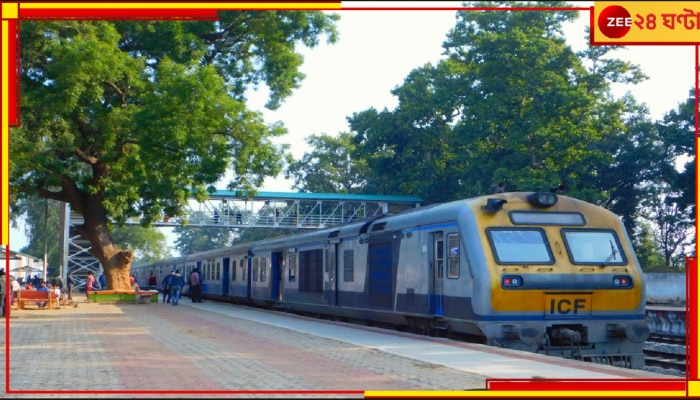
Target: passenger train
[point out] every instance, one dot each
(533, 271)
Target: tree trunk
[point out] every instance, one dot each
(115, 261)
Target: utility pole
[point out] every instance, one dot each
(46, 236)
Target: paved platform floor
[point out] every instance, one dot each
(218, 350)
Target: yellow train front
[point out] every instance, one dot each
(559, 277)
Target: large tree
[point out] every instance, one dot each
(126, 118)
(679, 135)
(513, 103)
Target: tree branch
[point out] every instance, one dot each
(121, 93)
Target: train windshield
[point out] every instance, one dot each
(600, 247)
(519, 246)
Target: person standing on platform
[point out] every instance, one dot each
(15, 287)
(3, 289)
(176, 287)
(57, 282)
(57, 291)
(70, 282)
(89, 282)
(195, 286)
(152, 281)
(166, 287)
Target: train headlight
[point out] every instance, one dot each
(622, 281)
(542, 199)
(511, 280)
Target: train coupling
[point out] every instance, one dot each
(566, 335)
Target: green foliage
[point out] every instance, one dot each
(328, 168)
(148, 243)
(662, 269)
(649, 255)
(678, 132)
(511, 103)
(132, 118)
(42, 225)
(674, 232)
(191, 239)
(253, 235)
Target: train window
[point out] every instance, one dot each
(243, 270)
(348, 266)
(255, 269)
(233, 270)
(589, 246)
(546, 218)
(263, 269)
(218, 270)
(519, 246)
(453, 255)
(439, 256)
(292, 267)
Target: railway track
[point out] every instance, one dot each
(666, 351)
(668, 339)
(672, 361)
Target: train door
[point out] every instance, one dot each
(249, 270)
(243, 271)
(381, 271)
(437, 266)
(276, 275)
(225, 276)
(329, 281)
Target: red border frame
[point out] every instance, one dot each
(492, 384)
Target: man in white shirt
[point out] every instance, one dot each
(15, 288)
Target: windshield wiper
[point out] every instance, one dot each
(612, 255)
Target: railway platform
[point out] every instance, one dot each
(218, 350)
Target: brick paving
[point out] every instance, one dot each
(136, 351)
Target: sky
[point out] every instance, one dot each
(377, 49)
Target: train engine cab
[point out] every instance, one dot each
(563, 279)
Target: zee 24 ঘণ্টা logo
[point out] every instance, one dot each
(616, 21)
